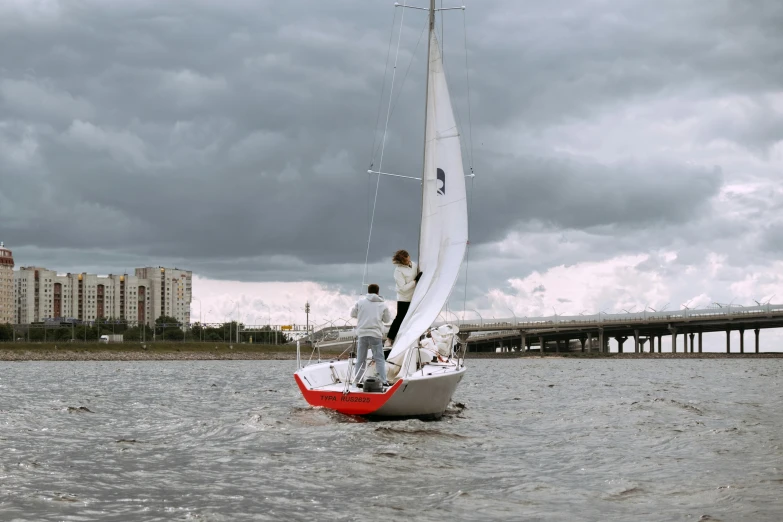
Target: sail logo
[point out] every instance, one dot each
(441, 183)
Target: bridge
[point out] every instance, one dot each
(645, 330)
(641, 328)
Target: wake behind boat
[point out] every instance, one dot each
(425, 364)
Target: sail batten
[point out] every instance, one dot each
(444, 223)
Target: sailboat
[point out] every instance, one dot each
(426, 363)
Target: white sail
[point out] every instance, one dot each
(444, 219)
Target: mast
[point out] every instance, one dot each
(431, 30)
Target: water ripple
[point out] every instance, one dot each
(524, 439)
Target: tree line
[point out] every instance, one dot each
(165, 329)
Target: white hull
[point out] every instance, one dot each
(427, 395)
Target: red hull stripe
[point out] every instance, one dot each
(354, 403)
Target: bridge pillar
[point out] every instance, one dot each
(528, 342)
(692, 336)
(600, 340)
(699, 342)
(742, 340)
(620, 341)
(636, 341)
(557, 346)
(642, 340)
(652, 344)
(522, 340)
(660, 344)
(757, 339)
(541, 343)
(728, 341)
(582, 340)
(674, 339)
(684, 342)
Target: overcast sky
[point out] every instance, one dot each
(627, 153)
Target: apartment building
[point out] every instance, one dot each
(171, 291)
(7, 307)
(43, 294)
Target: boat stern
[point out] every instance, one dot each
(334, 397)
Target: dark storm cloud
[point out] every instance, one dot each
(579, 195)
(558, 60)
(234, 137)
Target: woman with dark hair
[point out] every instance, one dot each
(406, 275)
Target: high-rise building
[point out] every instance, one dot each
(170, 291)
(43, 294)
(7, 306)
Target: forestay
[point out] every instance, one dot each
(444, 218)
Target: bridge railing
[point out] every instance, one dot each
(605, 318)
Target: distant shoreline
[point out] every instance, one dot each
(21, 352)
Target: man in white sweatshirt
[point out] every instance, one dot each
(370, 313)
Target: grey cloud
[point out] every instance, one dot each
(560, 60)
(756, 124)
(578, 194)
(772, 237)
(233, 138)
(39, 101)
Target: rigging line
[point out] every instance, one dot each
(467, 80)
(378, 115)
(383, 146)
(470, 159)
(383, 88)
(467, 249)
(402, 85)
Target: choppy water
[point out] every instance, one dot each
(537, 440)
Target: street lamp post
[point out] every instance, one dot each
(269, 320)
(229, 317)
(239, 315)
(200, 320)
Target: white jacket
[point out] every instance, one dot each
(370, 313)
(405, 279)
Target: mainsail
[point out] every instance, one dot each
(444, 216)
